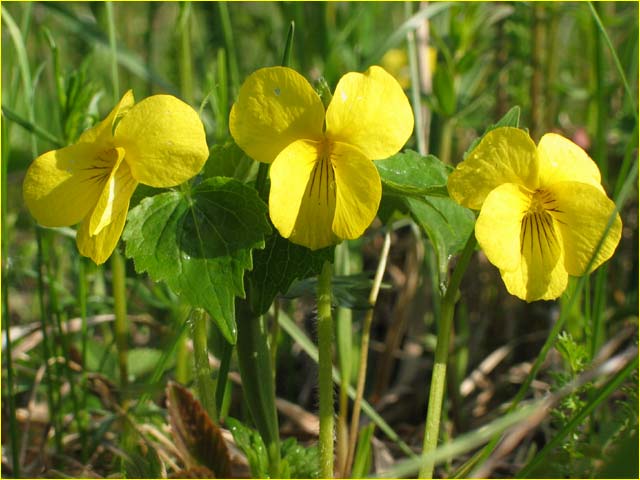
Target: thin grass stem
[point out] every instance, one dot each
(364, 347)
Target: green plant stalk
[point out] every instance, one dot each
(254, 361)
(364, 348)
(438, 377)
(180, 315)
(121, 323)
(600, 395)
(230, 45)
(420, 130)
(6, 322)
(202, 372)
(325, 369)
(344, 346)
(186, 64)
(121, 328)
(310, 348)
(446, 137)
(113, 47)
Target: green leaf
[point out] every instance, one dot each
(228, 160)
(300, 462)
(417, 185)
(277, 266)
(411, 174)
(200, 243)
(252, 445)
(447, 224)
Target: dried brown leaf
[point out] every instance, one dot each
(198, 438)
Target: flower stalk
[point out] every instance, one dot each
(325, 365)
(438, 377)
(199, 321)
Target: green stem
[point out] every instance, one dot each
(364, 348)
(121, 324)
(183, 358)
(446, 137)
(438, 377)
(111, 26)
(203, 381)
(325, 366)
(254, 361)
(420, 130)
(230, 45)
(344, 322)
(186, 66)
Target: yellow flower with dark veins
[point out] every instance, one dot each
(324, 185)
(542, 210)
(159, 141)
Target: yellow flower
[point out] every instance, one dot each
(542, 210)
(324, 185)
(160, 142)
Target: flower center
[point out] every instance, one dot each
(538, 232)
(323, 178)
(103, 164)
(542, 201)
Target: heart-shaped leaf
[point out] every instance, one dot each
(199, 242)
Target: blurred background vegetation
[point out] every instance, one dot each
(464, 65)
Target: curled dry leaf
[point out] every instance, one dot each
(197, 437)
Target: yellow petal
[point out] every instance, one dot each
(114, 197)
(164, 141)
(504, 155)
(62, 186)
(541, 274)
(358, 191)
(582, 215)
(102, 133)
(499, 225)
(302, 200)
(562, 160)
(276, 106)
(371, 112)
(99, 247)
(526, 285)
